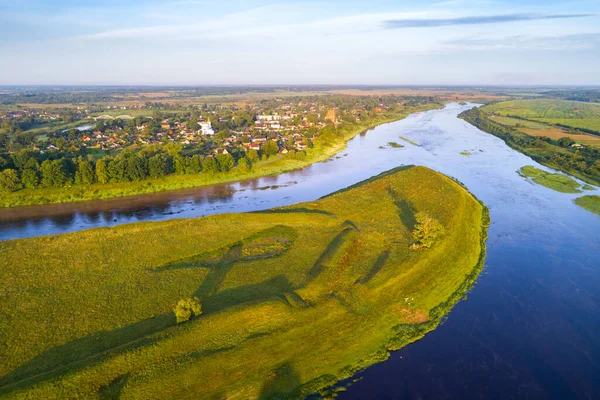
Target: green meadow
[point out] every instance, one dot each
(292, 299)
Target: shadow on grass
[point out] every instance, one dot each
(329, 252)
(113, 390)
(375, 268)
(102, 345)
(276, 287)
(85, 351)
(281, 384)
(406, 211)
(234, 253)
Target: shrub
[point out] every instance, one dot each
(186, 308)
(426, 231)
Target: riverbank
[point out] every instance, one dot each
(543, 151)
(274, 166)
(293, 299)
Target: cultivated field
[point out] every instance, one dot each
(293, 299)
(571, 114)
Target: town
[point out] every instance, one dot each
(160, 139)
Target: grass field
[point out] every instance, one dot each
(559, 182)
(534, 128)
(273, 166)
(590, 203)
(572, 114)
(294, 299)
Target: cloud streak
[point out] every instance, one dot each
(474, 20)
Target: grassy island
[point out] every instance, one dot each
(559, 182)
(590, 203)
(273, 304)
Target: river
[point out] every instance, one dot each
(529, 329)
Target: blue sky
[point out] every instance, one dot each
(196, 42)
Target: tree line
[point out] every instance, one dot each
(26, 170)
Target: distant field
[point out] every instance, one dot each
(572, 114)
(294, 299)
(542, 127)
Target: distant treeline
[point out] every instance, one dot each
(581, 162)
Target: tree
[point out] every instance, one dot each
(158, 166)
(565, 142)
(9, 180)
(117, 170)
(173, 149)
(244, 164)
(29, 173)
(210, 166)
(193, 165)
(225, 162)
(252, 156)
(101, 171)
(426, 231)
(4, 141)
(179, 164)
(186, 309)
(53, 173)
(84, 174)
(30, 178)
(136, 168)
(270, 148)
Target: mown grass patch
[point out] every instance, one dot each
(590, 203)
(292, 302)
(559, 182)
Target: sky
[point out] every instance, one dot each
(349, 42)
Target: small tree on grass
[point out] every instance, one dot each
(186, 309)
(426, 232)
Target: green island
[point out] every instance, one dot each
(590, 203)
(559, 182)
(560, 134)
(163, 146)
(282, 303)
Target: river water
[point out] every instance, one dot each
(529, 329)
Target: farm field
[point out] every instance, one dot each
(293, 299)
(571, 114)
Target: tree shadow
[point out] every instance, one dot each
(275, 288)
(406, 210)
(281, 384)
(375, 268)
(85, 351)
(95, 348)
(113, 390)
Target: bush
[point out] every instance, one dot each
(186, 309)
(427, 230)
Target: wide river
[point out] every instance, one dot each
(529, 329)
